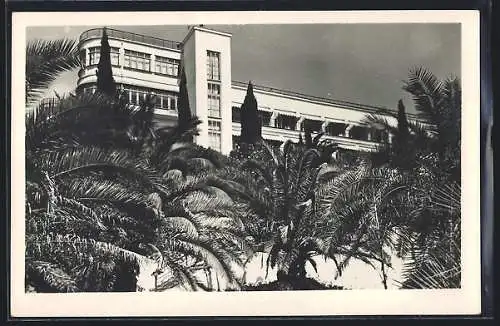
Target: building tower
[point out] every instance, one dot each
(206, 57)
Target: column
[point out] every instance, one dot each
(390, 138)
(347, 132)
(87, 59)
(299, 123)
(272, 120)
(369, 134)
(324, 126)
(152, 63)
(121, 59)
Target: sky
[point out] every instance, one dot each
(362, 63)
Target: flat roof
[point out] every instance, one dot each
(204, 29)
(130, 36)
(323, 100)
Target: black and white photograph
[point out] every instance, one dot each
(264, 157)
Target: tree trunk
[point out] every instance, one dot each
(384, 275)
(208, 275)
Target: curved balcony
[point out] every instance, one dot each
(96, 33)
(140, 78)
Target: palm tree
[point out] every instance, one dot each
(430, 236)
(201, 226)
(76, 230)
(281, 189)
(438, 104)
(102, 189)
(195, 222)
(81, 221)
(45, 61)
(360, 210)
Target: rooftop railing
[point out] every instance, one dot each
(129, 36)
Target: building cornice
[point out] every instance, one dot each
(202, 29)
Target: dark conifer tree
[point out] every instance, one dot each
(402, 146)
(251, 125)
(183, 109)
(402, 121)
(105, 81)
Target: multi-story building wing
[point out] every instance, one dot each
(141, 65)
(147, 65)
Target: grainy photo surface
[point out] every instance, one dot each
(236, 158)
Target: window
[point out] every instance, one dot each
(137, 60)
(286, 122)
(94, 55)
(163, 100)
(359, 132)
(83, 58)
(89, 90)
(236, 142)
(213, 65)
(335, 129)
(115, 56)
(236, 114)
(166, 66)
(379, 136)
(266, 118)
(136, 95)
(213, 100)
(313, 125)
(166, 101)
(214, 134)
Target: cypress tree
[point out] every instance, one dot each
(402, 146)
(183, 110)
(402, 121)
(251, 125)
(105, 81)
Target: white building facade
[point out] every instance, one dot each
(146, 65)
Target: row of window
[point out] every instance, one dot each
(134, 60)
(214, 106)
(142, 61)
(163, 100)
(137, 60)
(332, 129)
(95, 55)
(166, 66)
(136, 95)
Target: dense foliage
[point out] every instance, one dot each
(108, 192)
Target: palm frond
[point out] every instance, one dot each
(50, 275)
(45, 61)
(425, 88)
(216, 258)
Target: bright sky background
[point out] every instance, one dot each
(363, 63)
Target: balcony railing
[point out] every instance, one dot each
(276, 134)
(129, 36)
